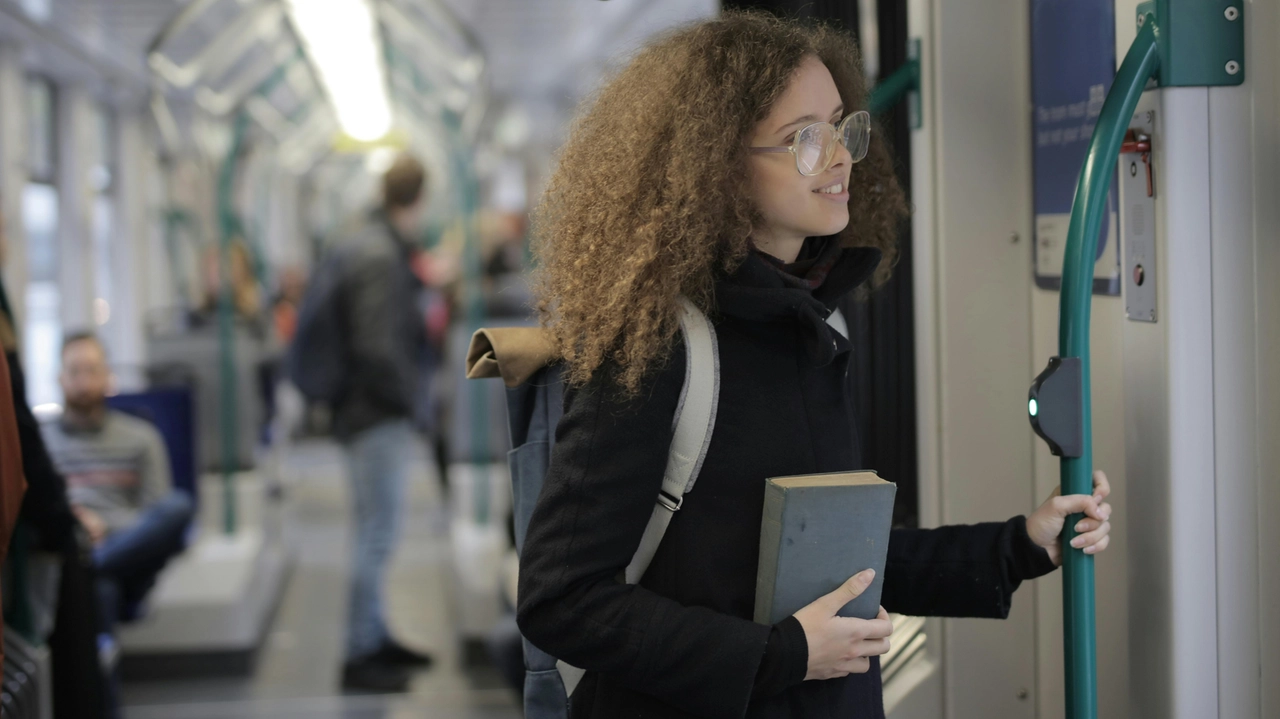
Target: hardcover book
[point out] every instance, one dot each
(819, 530)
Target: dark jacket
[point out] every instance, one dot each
(45, 508)
(682, 643)
(386, 334)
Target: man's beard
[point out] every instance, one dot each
(83, 405)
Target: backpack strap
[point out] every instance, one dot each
(694, 420)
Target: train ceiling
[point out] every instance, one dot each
(454, 58)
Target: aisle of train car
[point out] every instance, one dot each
(295, 673)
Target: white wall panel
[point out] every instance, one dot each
(1188, 283)
(1169, 414)
(1234, 412)
(981, 96)
(1262, 33)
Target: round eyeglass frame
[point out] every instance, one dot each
(859, 122)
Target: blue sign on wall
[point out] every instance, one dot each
(1073, 61)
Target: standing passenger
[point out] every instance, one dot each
(384, 347)
(728, 163)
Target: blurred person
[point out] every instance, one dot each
(79, 688)
(12, 481)
(385, 350)
(246, 296)
(284, 310)
(284, 325)
(730, 163)
(120, 486)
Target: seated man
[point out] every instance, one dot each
(118, 480)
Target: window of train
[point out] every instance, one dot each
(42, 331)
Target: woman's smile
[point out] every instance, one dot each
(836, 191)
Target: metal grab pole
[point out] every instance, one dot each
(229, 225)
(1140, 63)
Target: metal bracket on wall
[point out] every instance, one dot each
(903, 82)
(1138, 218)
(1200, 43)
(915, 110)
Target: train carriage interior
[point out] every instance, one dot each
(269, 270)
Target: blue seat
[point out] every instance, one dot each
(171, 411)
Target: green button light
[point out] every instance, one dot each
(1033, 408)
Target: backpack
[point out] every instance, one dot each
(316, 361)
(525, 360)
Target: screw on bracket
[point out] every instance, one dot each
(1232, 13)
(1233, 67)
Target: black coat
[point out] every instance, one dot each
(682, 643)
(386, 332)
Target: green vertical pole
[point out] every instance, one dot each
(228, 226)
(473, 299)
(1087, 211)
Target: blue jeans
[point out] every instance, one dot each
(377, 464)
(129, 560)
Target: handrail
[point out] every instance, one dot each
(1140, 64)
(229, 227)
(890, 91)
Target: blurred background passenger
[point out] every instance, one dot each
(284, 309)
(120, 486)
(12, 482)
(69, 616)
(246, 295)
(384, 346)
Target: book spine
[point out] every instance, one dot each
(770, 546)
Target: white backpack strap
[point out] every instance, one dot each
(695, 418)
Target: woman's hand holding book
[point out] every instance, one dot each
(839, 646)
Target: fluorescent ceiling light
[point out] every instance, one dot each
(342, 41)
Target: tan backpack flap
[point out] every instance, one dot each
(512, 353)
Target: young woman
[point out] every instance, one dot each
(731, 162)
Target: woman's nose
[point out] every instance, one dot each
(842, 156)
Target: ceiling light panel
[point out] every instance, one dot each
(342, 41)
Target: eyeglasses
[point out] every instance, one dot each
(815, 145)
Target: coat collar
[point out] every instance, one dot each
(756, 291)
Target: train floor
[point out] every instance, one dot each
(296, 672)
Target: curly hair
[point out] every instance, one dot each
(650, 196)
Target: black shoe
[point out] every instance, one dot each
(371, 675)
(397, 654)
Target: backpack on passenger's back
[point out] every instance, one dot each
(316, 361)
(525, 360)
